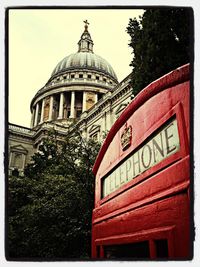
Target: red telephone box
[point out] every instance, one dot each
(143, 176)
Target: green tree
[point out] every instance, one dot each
(161, 42)
(50, 209)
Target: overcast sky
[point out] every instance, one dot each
(39, 39)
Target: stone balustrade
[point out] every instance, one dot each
(20, 129)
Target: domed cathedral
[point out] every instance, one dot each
(83, 89)
(76, 84)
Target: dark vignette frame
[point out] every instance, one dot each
(6, 92)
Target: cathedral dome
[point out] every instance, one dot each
(84, 60)
(76, 84)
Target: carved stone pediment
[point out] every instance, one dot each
(94, 128)
(19, 149)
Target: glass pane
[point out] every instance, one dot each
(138, 250)
(161, 248)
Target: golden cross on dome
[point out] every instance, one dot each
(86, 24)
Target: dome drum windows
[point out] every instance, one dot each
(82, 76)
(78, 104)
(90, 99)
(46, 108)
(67, 114)
(64, 105)
(55, 110)
(64, 99)
(78, 112)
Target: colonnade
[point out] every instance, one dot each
(39, 109)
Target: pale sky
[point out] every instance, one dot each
(39, 39)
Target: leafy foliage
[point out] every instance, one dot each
(160, 41)
(49, 210)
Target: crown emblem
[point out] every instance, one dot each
(126, 137)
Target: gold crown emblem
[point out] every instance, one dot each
(126, 137)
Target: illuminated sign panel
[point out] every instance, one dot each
(160, 146)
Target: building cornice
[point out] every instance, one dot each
(20, 130)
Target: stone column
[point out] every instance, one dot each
(10, 159)
(42, 111)
(21, 170)
(50, 108)
(24, 160)
(109, 119)
(103, 126)
(84, 102)
(10, 164)
(32, 118)
(96, 98)
(72, 105)
(60, 115)
(105, 122)
(36, 114)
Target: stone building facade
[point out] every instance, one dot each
(84, 89)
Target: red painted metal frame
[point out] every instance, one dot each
(150, 234)
(155, 204)
(170, 229)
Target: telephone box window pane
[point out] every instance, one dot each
(98, 251)
(138, 250)
(161, 248)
